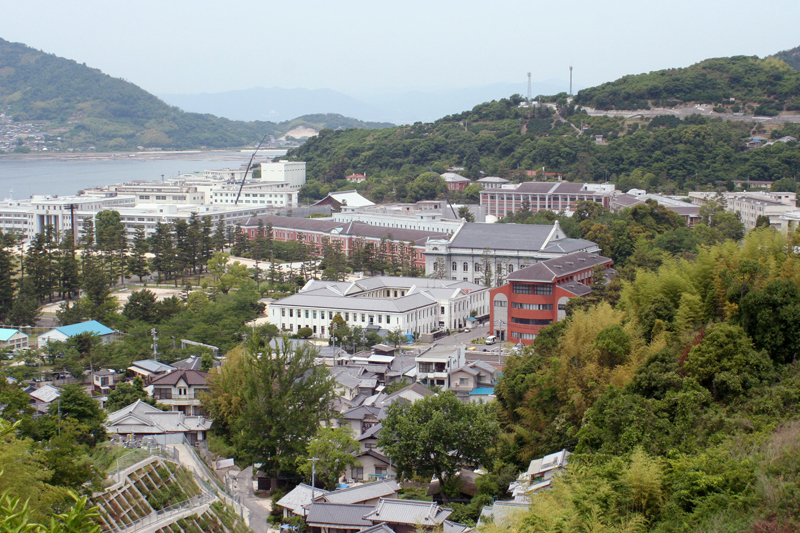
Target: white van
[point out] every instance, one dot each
(491, 339)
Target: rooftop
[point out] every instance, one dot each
(550, 270)
(6, 334)
(92, 326)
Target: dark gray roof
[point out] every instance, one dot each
(522, 237)
(379, 528)
(361, 412)
(415, 513)
(565, 246)
(561, 187)
(338, 514)
(549, 270)
(576, 288)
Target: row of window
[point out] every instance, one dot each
(523, 336)
(529, 288)
(531, 321)
(479, 267)
(532, 307)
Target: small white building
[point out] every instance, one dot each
(139, 420)
(64, 333)
(13, 338)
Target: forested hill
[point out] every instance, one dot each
(504, 139)
(749, 80)
(88, 107)
(791, 57)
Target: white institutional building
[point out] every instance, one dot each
(414, 305)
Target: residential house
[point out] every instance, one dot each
(298, 499)
(356, 178)
(366, 494)
(537, 295)
(149, 369)
(64, 333)
(468, 381)
(13, 339)
(103, 381)
(360, 419)
(433, 368)
(368, 440)
(139, 420)
(325, 517)
(353, 383)
(408, 516)
(180, 390)
(42, 397)
(539, 475)
(372, 465)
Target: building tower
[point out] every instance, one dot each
(570, 80)
(529, 89)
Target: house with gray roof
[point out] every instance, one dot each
(502, 248)
(298, 499)
(365, 494)
(139, 420)
(324, 517)
(406, 516)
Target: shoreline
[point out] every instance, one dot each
(218, 155)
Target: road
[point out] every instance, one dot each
(445, 346)
(683, 112)
(259, 507)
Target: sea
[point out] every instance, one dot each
(23, 176)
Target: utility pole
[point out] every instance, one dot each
(313, 475)
(529, 89)
(570, 80)
(155, 344)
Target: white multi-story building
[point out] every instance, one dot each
(751, 205)
(58, 211)
(293, 173)
(161, 193)
(414, 305)
(278, 194)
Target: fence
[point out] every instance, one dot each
(140, 450)
(165, 513)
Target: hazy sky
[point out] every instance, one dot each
(178, 46)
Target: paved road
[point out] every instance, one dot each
(683, 112)
(259, 507)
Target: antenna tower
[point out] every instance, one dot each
(570, 80)
(529, 89)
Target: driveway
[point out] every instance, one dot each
(259, 507)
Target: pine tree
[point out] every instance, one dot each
(8, 269)
(206, 248)
(240, 243)
(38, 268)
(220, 239)
(137, 262)
(163, 248)
(67, 268)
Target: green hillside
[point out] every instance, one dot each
(790, 57)
(87, 107)
(767, 82)
(504, 139)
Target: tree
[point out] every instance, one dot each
(74, 403)
(335, 449)
(271, 400)
(437, 435)
(772, 319)
(137, 262)
(304, 333)
(7, 273)
(141, 305)
(466, 214)
(127, 393)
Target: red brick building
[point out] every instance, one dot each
(394, 242)
(537, 295)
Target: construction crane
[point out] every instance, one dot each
(244, 178)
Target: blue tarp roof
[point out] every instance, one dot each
(92, 326)
(482, 391)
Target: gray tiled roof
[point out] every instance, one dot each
(295, 499)
(380, 305)
(522, 237)
(549, 270)
(379, 528)
(336, 514)
(410, 512)
(363, 493)
(576, 288)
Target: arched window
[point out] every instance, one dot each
(466, 266)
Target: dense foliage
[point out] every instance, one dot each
(766, 82)
(662, 154)
(678, 392)
(790, 57)
(114, 114)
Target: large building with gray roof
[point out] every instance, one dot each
(503, 248)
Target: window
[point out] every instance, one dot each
(562, 307)
(500, 303)
(477, 267)
(523, 336)
(363, 317)
(531, 321)
(347, 317)
(532, 307)
(314, 313)
(463, 381)
(510, 269)
(543, 290)
(291, 313)
(358, 473)
(388, 318)
(283, 312)
(466, 266)
(522, 288)
(455, 266)
(315, 330)
(442, 310)
(306, 313)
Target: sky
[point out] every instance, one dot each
(362, 46)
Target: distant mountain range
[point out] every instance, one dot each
(398, 107)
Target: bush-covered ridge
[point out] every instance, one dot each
(112, 113)
(767, 81)
(790, 57)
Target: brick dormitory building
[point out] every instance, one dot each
(537, 295)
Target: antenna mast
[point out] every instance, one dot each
(529, 89)
(570, 80)
(244, 178)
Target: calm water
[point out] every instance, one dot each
(50, 176)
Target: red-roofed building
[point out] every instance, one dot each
(536, 296)
(356, 178)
